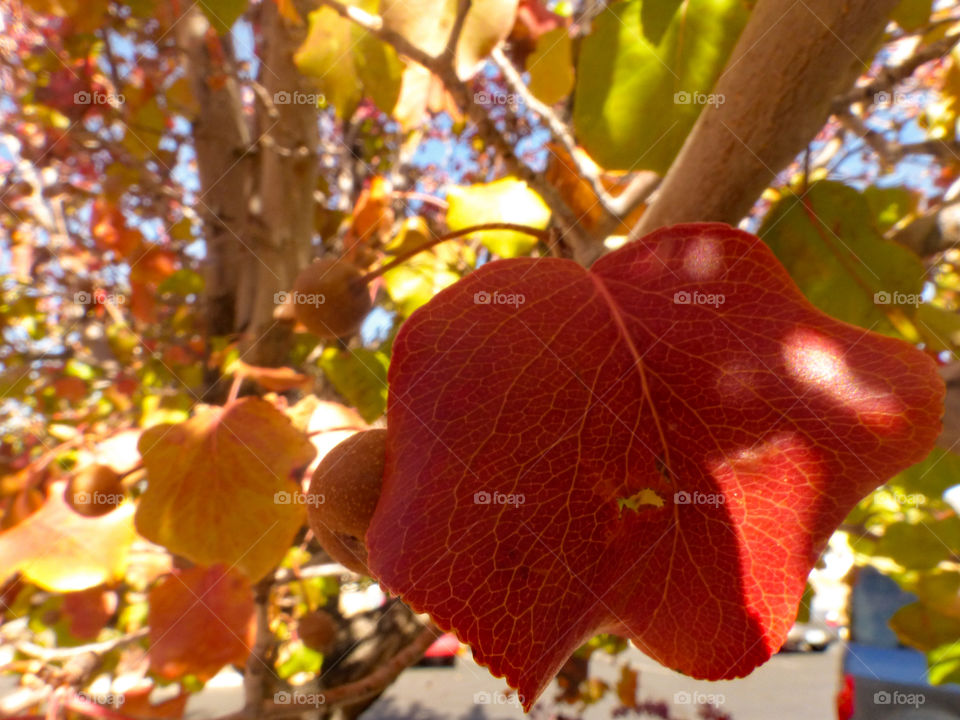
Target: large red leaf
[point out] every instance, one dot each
(547, 423)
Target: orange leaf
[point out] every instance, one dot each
(200, 620)
(143, 302)
(627, 687)
(219, 487)
(372, 216)
(62, 551)
(273, 379)
(88, 611)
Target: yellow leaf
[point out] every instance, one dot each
(62, 551)
(219, 486)
(551, 66)
(504, 200)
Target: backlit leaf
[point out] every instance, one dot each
(686, 364)
(219, 487)
(551, 66)
(636, 101)
(62, 551)
(360, 375)
(504, 200)
(200, 620)
(828, 244)
(222, 14)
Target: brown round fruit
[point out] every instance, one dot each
(94, 490)
(317, 630)
(330, 298)
(345, 489)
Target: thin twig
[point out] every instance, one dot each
(58, 654)
(889, 77)
(450, 51)
(404, 256)
(566, 220)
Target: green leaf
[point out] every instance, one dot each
(920, 546)
(326, 54)
(922, 627)
(912, 14)
(932, 476)
(889, 205)
(379, 68)
(828, 244)
(551, 66)
(655, 17)
(944, 664)
(504, 200)
(222, 14)
(360, 376)
(347, 61)
(182, 282)
(939, 327)
(416, 281)
(636, 101)
(295, 657)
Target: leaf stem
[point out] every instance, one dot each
(404, 256)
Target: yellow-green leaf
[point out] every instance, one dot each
(505, 200)
(219, 486)
(551, 66)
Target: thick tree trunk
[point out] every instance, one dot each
(288, 143)
(790, 63)
(221, 140)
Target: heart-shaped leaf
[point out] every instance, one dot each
(219, 487)
(200, 620)
(659, 447)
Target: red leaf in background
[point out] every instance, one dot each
(658, 447)
(200, 620)
(88, 611)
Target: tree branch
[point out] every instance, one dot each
(779, 94)
(889, 77)
(365, 687)
(568, 223)
(58, 654)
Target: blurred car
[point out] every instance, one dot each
(883, 679)
(809, 637)
(442, 652)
